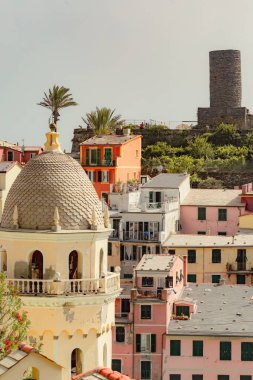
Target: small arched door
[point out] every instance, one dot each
(73, 265)
(37, 265)
(76, 361)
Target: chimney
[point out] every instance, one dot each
(185, 270)
(126, 131)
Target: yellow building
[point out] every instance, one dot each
(212, 259)
(54, 240)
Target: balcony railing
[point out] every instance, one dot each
(155, 293)
(239, 267)
(147, 235)
(108, 284)
(114, 234)
(109, 163)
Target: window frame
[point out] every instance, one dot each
(118, 368)
(142, 313)
(192, 274)
(197, 348)
(175, 347)
(216, 256)
(244, 354)
(222, 214)
(150, 369)
(120, 337)
(225, 352)
(216, 276)
(191, 256)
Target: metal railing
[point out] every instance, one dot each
(107, 284)
(237, 267)
(101, 163)
(147, 235)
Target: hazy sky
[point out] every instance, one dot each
(146, 58)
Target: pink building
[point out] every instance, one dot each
(211, 212)
(215, 339)
(14, 152)
(142, 321)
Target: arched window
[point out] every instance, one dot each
(105, 355)
(101, 263)
(31, 373)
(4, 261)
(37, 265)
(76, 361)
(73, 265)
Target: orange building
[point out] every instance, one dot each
(111, 161)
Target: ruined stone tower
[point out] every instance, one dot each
(225, 92)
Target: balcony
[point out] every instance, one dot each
(238, 267)
(114, 234)
(108, 284)
(105, 163)
(141, 236)
(169, 205)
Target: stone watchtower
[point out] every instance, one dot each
(225, 92)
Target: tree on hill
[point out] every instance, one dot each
(13, 320)
(225, 134)
(103, 121)
(57, 98)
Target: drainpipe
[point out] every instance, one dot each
(163, 335)
(185, 271)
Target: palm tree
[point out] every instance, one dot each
(57, 98)
(103, 121)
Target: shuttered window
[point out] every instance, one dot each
(197, 348)
(175, 347)
(225, 350)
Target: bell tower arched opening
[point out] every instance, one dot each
(76, 361)
(73, 265)
(36, 271)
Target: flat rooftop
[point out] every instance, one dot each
(166, 181)
(162, 262)
(223, 310)
(184, 240)
(213, 197)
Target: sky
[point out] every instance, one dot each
(148, 59)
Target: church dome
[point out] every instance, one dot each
(50, 184)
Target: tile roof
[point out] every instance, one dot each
(213, 197)
(5, 166)
(109, 139)
(162, 262)
(101, 373)
(223, 310)
(166, 180)
(184, 240)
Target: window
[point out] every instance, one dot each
(145, 370)
(111, 269)
(33, 155)
(107, 156)
(175, 347)
(245, 377)
(201, 232)
(145, 311)
(225, 350)
(175, 377)
(191, 278)
(125, 305)
(91, 175)
(94, 156)
(223, 377)
(99, 176)
(145, 342)
(157, 249)
(105, 176)
(172, 251)
(120, 334)
(191, 256)
(246, 351)
(216, 256)
(222, 233)
(183, 310)
(222, 214)
(116, 365)
(201, 213)
(147, 281)
(215, 278)
(197, 348)
(169, 282)
(128, 275)
(109, 249)
(10, 156)
(197, 377)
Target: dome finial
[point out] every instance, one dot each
(52, 144)
(56, 221)
(94, 222)
(15, 217)
(106, 217)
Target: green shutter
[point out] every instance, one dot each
(153, 342)
(225, 350)
(138, 342)
(98, 156)
(201, 213)
(175, 347)
(197, 348)
(247, 351)
(87, 156)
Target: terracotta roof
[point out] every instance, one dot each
(109, 139)
(102, 374)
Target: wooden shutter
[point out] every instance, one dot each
(153, 342)
(87, 156)
(98, 156)
(99, 176)
(138, 342)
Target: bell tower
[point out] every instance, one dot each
(54, 238)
